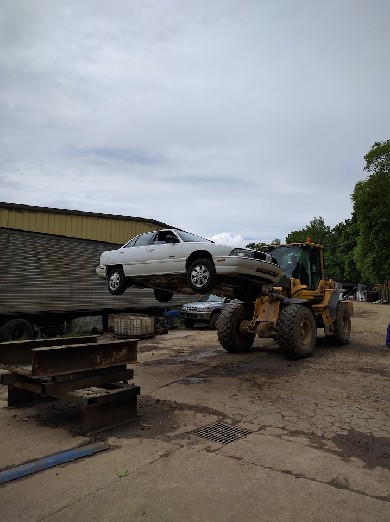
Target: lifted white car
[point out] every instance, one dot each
(172, 260)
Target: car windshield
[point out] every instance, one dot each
(211, 299)
(191, 238)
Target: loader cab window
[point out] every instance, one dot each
(316, 267)
(302, 262)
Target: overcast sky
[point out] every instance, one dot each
(244, 118)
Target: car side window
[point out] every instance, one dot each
(130, 243)
(160, 237)
(144, 239)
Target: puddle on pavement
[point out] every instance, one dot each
(192, 380)
(193, 356)
(243, 368)
(382, 372)
(373, 451)
(183, 358)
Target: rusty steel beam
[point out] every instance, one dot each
(57, 389)
(19, 352)
(75, 376)
(79, 357)
(101, 417)
(103, 395)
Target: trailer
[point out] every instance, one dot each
(48, 280)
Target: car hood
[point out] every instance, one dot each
(202, 306)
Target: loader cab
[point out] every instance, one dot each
(303, 261)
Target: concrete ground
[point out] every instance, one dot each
(318, 447)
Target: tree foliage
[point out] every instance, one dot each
(339, 252)
(260, 246)
(357, 249)
(256, 246)
(316, 230)
(371, 199)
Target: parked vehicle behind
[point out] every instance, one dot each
(205, 311)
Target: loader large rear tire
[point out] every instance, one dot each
(341, 325)
(231, 335)
(297, 332)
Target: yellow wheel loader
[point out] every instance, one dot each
(291, 312)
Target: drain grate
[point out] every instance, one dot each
(223, 433)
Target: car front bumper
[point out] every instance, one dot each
(237, 265)
(196, 315)
(101, 271)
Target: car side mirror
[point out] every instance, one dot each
(171, 239)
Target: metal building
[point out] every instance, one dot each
(108, 228)
(48, 258)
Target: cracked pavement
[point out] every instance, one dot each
(318, 447)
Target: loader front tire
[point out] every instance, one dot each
(297, 332)
(342, 327)
(232, 334)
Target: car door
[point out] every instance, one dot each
(163, 257)
(132, 256)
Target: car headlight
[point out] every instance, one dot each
(252, 254)
(242, 252)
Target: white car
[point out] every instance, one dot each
(172, 260)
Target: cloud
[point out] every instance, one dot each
(227, 239)
(251, 118)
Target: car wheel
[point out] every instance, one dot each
(213, 321)
(163, 296)
(16, 330)
(201, 275)
(116, 281)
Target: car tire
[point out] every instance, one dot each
(163, 296)
(189, 323)
(16, 330)
(213, 320)
(201, 276)
(116, 281)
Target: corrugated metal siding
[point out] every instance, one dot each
(83, 225)
(49, 273)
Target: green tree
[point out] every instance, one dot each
(260, 246)
(371, 199)
(316, 230)
(339, 253)
(256, 246)
(339, 244)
